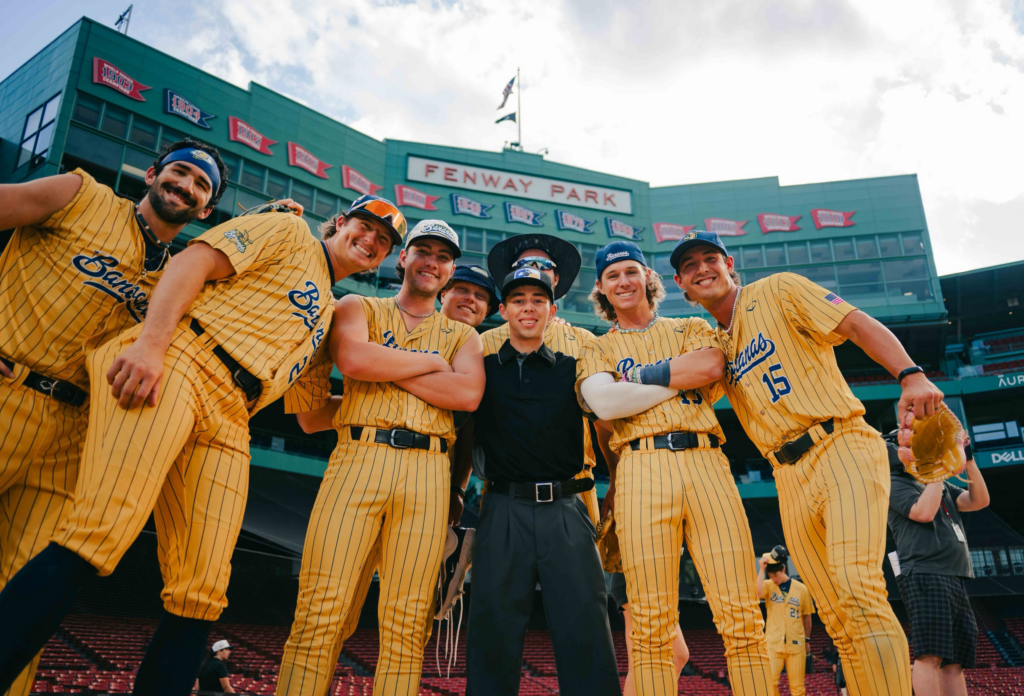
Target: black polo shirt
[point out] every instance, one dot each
(529, 423)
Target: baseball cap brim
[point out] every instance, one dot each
(456, 252)
(683, 247)
(519, 278)
(565, 255)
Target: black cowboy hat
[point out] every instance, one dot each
(565, 255)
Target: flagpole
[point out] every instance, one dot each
(519, 107)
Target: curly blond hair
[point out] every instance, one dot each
(603, 308)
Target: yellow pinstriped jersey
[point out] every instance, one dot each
(71, 283)
(312, 390)
(386, 405)
(786, 612)
(274, 313)
(781, 372)
(692, 411)
(560, 338)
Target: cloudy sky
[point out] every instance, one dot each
(661, 90)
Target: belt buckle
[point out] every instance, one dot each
(550, 491)
(398, 445)
(251, 393)
(670, 439)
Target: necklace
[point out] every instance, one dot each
(625, 331)
(156, 251)
(735, 301)
(406, 311)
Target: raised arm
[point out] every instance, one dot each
(458, 390)
(928, 504)
(358, 358)
(919, 394)
(137, 373)
(609, 399)
(976, 496)
(35, 201)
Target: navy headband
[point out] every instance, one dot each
(200, 159)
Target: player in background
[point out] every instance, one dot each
(649, 377)
(830, 466)
(406, 369)
(789, 608)
(560, 261)
(78, 270)
(237, 317)
(469, 297)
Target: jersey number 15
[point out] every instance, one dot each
(778, 385)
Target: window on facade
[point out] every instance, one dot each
(889, 244)
(907, 280)
(115, 121)
(326, 205)
(866, 248)
(169, 137)
(247, 200)
(861, 280)
(798, 252)
(133, 174)
(277, 185)
(224, 210)
(913, 243)
(751, 276)
(825, 276)
(303, 194)
(820, 252)
(589, 253)
(234, 165)
(752, 257)
(1017, 560)
(38, 132)
(144, 132)
(252, 175)
(87, 110)
(843, 249)
(774, 255)
(93, 153)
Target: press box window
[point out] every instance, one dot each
(38, 132)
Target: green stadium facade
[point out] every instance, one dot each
(99, 100)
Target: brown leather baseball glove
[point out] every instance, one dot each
(932, 449)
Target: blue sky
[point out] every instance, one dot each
(668, 92)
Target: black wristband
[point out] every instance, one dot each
(659, 374)
(460, 491)
(968, 453)
(909, 371)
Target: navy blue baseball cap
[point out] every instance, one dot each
(692, 239)
(527, 276)
(618, 251)
(478, 275)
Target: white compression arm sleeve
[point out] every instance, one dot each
(609, 399)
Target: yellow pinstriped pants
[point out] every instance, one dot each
(40, 445)
(186, 460)
(662, 499)
(370, 494)
(795, 664)
(834, 503)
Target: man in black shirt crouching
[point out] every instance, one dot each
(532, 526)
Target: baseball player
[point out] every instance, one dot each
(673, 484)
(789, 609)
(831, 468)
(406, 368)
(469, 297)
(561, 261)
(78, 270)
(237, 318)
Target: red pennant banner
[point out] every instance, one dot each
(832, 218)
(408, 196)
(770, 222)
(725, 228)
(670, 232)
(103, 73)
(241, 132)
(351, 179)
(302, 158)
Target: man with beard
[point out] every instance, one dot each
(406, 369)
(672, 482)
(236, 320)
(831, 468)
(78, 270)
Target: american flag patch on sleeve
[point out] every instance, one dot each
(834, 298)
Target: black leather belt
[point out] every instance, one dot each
(64, 392)
(400, 438)
(243, 379)
(791, 452)
(676, 441)
(542, 492)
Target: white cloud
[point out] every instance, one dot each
(669, 92)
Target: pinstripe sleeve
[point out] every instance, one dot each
(592, 360)
(313, 389)
(85, 196)
(252, 241)
(811, 308)
(699, 334)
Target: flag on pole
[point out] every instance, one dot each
(507, 117)
(506, 92)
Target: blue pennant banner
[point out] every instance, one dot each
(618, 228)
(178, 105)
(564, 220)
(464, 205)
(522, 215)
